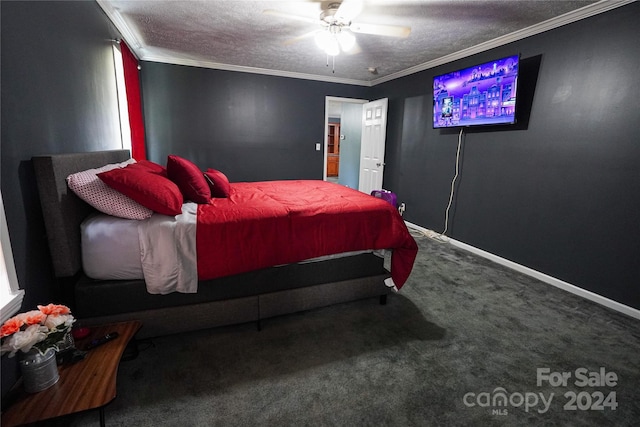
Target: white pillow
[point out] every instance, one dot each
(92, 190)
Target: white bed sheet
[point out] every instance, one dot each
(159, 250)
(168, 252)
(110, 248)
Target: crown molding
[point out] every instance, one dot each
(127, 34)
(242, 69)
(550, 24)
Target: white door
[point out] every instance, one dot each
(374, 132)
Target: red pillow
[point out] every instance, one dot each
(150, 166)
(218, 183)
(189, 178)
(151, 190)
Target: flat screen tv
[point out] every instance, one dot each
(484, 94)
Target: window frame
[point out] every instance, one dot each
(11, 295)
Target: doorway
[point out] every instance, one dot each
(343, 130)
(333, 149)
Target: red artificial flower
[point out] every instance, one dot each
(54, 309)
(33, 317)
(10, 327)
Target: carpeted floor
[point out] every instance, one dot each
(460, 345)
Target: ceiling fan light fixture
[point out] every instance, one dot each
(321, 38)
(327, 42)
(333, 48)
(347, 41)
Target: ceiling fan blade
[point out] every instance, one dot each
(380, 30)
(290, 16)
(348, 10)
(300, 37)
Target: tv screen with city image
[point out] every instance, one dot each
(484, 94)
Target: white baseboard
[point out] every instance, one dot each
(614, 305)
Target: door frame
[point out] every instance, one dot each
(327, 100)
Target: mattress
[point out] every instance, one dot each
(111, 248)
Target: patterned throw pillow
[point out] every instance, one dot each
(87, 186)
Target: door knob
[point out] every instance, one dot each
(380, 164)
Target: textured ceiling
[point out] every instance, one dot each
(238, 35)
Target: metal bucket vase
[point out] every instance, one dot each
(39, 371)
(67, 342)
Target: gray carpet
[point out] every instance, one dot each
(460, 325)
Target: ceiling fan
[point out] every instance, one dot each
(337, 27)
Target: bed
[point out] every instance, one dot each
(250, 287)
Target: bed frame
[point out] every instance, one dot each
(242, 298)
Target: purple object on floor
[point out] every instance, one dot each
(387, 196)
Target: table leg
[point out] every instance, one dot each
(102, 423)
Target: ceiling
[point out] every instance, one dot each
(239, 36)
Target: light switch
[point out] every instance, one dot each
(318, 147)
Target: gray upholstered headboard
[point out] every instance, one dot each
(63, 211)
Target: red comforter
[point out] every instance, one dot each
(263, 224)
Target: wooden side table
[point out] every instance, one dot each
(87, 384)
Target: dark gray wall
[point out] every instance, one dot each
(252, 127)
(58, 95)
(560, 192)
